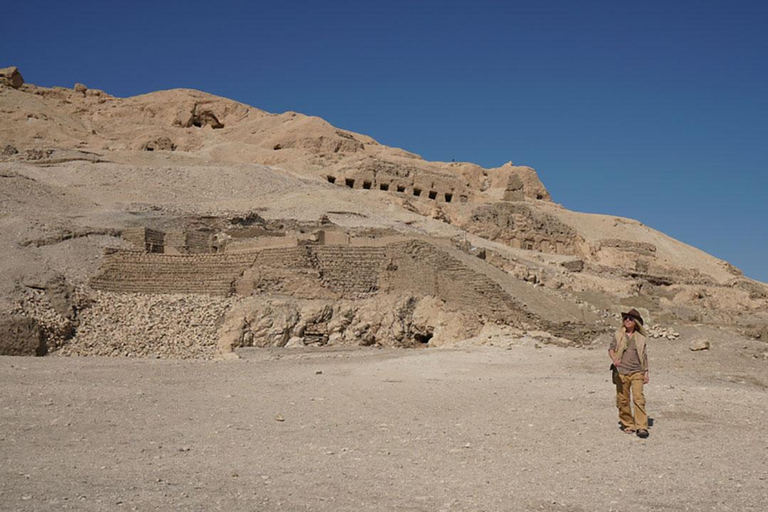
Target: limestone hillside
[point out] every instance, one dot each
(182, 224)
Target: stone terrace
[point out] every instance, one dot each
(414, 267)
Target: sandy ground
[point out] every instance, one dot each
(486, 428)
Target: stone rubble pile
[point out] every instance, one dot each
(56, 328)
(658, 331)
(140, 325)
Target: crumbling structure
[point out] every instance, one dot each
(329, 267)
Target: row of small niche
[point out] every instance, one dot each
(367, 185)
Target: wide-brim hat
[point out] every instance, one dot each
(634, 314)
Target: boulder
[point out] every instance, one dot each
(697, 345)
(11, 77)
(159, 144)
(61, 296)
(573, 265)
(295, 342)
(8, 150)
(82, 89)
(21, 336)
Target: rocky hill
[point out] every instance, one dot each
(122, 218)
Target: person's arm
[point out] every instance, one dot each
(647, 376)
(612, 352)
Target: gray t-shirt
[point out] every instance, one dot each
(630, 360)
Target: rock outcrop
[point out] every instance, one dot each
(11, 77)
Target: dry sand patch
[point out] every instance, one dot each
(371, 429)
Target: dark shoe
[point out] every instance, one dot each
(642, 433)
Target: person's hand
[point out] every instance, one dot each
(647, 378)
(617, 362)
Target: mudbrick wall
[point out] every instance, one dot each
(414, 267)
(350, 269)
(421, 268)
(144, 239)
(176, 240)
(136, 272)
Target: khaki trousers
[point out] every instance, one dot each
(624, 384)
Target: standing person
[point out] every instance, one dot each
(628, 352)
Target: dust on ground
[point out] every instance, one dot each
(482, 428)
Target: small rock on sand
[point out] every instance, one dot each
(699, 345)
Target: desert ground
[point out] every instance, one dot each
(513, 426)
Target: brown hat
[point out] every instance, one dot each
(634, 314)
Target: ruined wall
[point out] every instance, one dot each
(454, 293)
(145, 239)
(261, 242)
(188, 242)
(134, 272)
(312, 272)
(175, 242)
(199, 242)
(422, 269)
(354, 270)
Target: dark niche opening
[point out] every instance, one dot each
(423, 338)
(401, 188)
(448, 197)
(349, 182)
(384, 186)
(367, 185)
(331, 179)
(417, 192)
(432, 194)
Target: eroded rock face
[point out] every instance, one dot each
(338, 142)
(21, 336)
(199, 117)
(387, 320)
(518, 225)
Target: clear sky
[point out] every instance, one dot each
(656, 111)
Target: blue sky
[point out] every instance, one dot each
(656, 111)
